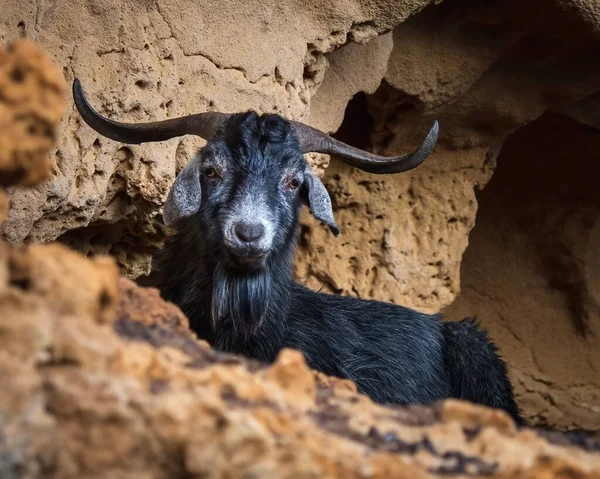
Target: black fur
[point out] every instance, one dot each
(468, 348)
(393, 354)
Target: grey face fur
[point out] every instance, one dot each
(250, 223)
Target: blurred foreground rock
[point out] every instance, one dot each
(94, 386)
(31, 105)
(101, 378)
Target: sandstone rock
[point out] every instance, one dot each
(483, 72)
(145, 306)
(152, 402)
(352, 69)
(4, 202)
(31, 105)
(531, 273)
(482, 69)
(103, 379)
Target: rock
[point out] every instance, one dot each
(36, 270)
(32, 104)
(532, 274)
(4, 202)
(485, 74)
(102, 378)
(145, 306)
(352, 69)
(485, 70)
(482, 72)
(153, 402)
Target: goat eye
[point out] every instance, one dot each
(210, 172)
(293, 183)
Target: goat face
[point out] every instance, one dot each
(252, 176)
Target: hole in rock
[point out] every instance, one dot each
(357, 124)
(17, 75)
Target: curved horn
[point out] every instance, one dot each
(315, 141)
(201, 124)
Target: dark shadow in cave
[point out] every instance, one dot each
(545, 190)
(358, 123)
(531, 272)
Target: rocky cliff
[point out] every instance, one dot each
(375, 74)
(102, 378)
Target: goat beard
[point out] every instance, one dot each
(240, 300)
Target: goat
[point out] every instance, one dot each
(234, 212)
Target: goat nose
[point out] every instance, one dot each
(249, 232)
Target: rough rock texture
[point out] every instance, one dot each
(532, 270)
(155, 60)
(101, 378)
(95, 398)
(483, 74)
(32, 102)
(483, 69)
(145, 307)
(4, 203)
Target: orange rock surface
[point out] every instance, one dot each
(102, 379)
(32, 103)
(377, 73)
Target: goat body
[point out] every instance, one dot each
(234, 211)
(392, 353)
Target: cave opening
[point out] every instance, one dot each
(531, 272)
(357, 125)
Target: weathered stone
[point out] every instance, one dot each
(483, 69)
(93, 398)
(483, 72)
(31, 104)
(146, 306)
(532, 274)
(4, 203)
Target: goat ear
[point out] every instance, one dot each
(319, 201)
(185, 196)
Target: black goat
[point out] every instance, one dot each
(228, 264)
